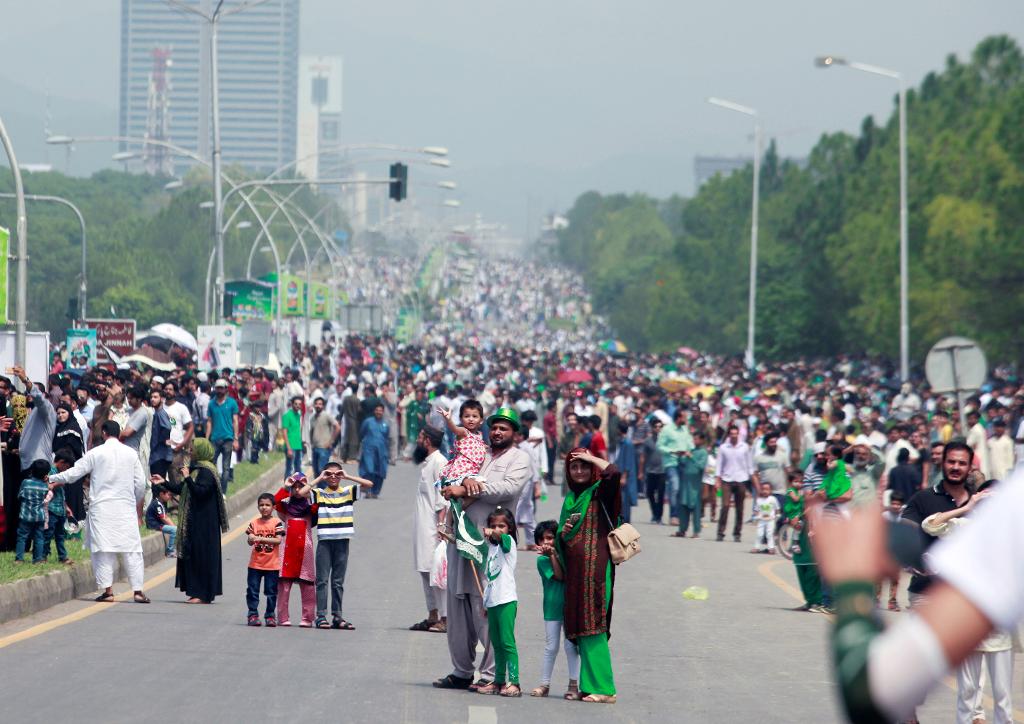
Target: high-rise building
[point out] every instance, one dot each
(258, 73)
(319, 117)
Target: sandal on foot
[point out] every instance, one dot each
(572, 695)
(540, 691)
(344, 625)
(423, 625)
(439, 627)
(321, 623)
(452, 682)
(478, 683)
(511, 691)
(141, 598)
(599, 699)
(489, 689)
(104, 597)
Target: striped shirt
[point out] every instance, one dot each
(334, 512)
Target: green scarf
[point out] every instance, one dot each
(574, 503)
(202, 457)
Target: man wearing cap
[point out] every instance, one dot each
(222, 429)
(504, 474)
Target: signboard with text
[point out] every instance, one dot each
(253, 301)
(218, 345)
(116, 335)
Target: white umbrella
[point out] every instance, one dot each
(177, 335)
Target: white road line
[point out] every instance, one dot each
(482, 715)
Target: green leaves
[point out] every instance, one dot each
(829, 235)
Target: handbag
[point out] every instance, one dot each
(623, 541)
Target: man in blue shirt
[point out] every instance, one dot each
(222, 430)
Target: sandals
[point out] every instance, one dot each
(478, 683)
(104, 597)
(453, 682)
(423, 625)
(322, 623)
(439, 627)
(342, 624)
(141, 597)
(541, 691)
(599, 699)
(511, 691)
(572, 695)
(490, 689)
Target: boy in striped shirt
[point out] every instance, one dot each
(334, 530)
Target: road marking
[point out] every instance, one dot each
(765, 569)
(95, 608)
(482, 715)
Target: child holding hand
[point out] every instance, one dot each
(501, 601)
(552, 579)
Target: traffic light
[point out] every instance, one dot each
(399, 181)
(229, 303)
(72, 311)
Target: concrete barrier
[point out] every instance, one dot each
(31, 595)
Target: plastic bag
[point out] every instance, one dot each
(439, 567)
(696, 593)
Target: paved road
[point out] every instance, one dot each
(739, 656)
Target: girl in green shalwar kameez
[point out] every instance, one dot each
(591, 508)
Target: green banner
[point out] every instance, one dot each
(254, 301)
(5, 243)
(293, 291)
(319, 301)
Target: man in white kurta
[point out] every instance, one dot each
(431, 510)
(117, 486)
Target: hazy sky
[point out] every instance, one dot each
(542, 100)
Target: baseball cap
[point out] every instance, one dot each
(220, 383)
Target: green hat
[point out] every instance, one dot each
(508, 414)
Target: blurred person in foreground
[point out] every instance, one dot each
(978, 587)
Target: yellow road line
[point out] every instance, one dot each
(765, 569)
(95, 608)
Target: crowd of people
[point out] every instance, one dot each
(498, 407)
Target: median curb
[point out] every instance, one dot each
(32, 595)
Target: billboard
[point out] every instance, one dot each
(320, 301)
(218, 344)
(253, 301)
(81, 348)
(116, 335)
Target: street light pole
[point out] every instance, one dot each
(218, 201)
(81, 223)
(827, 61)
(21, 229)
(755, 204)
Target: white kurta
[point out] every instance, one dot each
(428, 503)
(117, 485)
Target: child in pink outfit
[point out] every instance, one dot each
(297, 559)
(470, 448)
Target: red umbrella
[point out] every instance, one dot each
(566, 377)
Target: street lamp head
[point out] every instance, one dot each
(442, 162)
(125, 155)
(172, 185)
(446, 185)
(825, 61)
(453, 203)
(60, 140)
(435, 150)
(206, 205)
(243, 225)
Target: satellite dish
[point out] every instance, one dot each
(956, 364)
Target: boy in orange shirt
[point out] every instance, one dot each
(264, 534)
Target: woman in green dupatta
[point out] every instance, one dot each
(590, 511)
(201, 519)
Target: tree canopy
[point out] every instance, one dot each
(674, 272)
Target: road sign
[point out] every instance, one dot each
(957, 365)
(115, 335)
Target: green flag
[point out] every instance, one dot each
(469, 541)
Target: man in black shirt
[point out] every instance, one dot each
(905, 478)
(948, 494)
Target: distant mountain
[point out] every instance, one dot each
(24, 113)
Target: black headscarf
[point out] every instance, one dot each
(68, 434)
